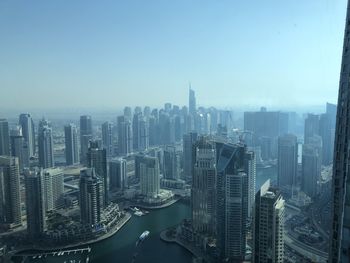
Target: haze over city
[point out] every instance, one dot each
(235, 53)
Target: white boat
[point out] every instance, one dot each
(138, 213)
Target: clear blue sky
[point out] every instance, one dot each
(59, 54)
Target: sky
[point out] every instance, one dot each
(109, 54)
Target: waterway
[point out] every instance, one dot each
(121, 247)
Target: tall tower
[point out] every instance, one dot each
(45, 143)
(250, 168)
(53, 188)
(117, 174)
(340, 233)
(97, 159)
(10, 199)
(192, 101)
(203, 192)
(171, 163)
(4, 137)
(107, 137)
(85, 136)
(149, 176)
(287, 161)
(91, 197)
(311, 128)
(125, 139)
(268, 226)
(19, 148)
(188, 159)
(35, 203)
(71, 142)
(27, 124)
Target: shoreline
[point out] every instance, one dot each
(108, 235)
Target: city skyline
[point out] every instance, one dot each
(136, 55)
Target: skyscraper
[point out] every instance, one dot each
(97, 159)
(311, 165)
(250, 168)
(171, 163)
(124, 136)
(311, 128)
(4, 137)
(232, 201)
(203, 191)
(192, 101)
(117, 174)
(340, 233)
(45, 143)
(53, 188)
(188, 159)
(149, 176)
(107, 137)
(35, 203)
(71, 143)
(268, 226)
(287, 161)
(19, 148)
(136, 131)
(28, 131)
(85, 136)
(10, 199)
(325, 131)
(91, 197)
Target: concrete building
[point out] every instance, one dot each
(311, 127)
(107, 138)
(125, 140)
(28, 131)
(10, 199)
(171, 163)
(268, 226)
(85, 136)
(53, 188)
(72, 145)
(19, 147)
(35, 204)
(149, 176)
(91, 197)
(45, 143)
(188, 160)
(4, 137)
(117, 174)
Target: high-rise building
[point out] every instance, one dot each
(128, 113)
(85, 136)
(250, 169)
(136, 131)
(149, 176)
(312, 126)
(340, 232)
(4, 137)
(232, 201)
(53, 188)
(28, 131)
(19, 147)
(192, 101)
(35, 203)
(91, 197)
(10, 199)
(287, 162)
(117, 174)
(188, 159)
(171, 162)
(45, 143)
(124, 136)
(144, 134)
(97, 159)
(325, 131)
(203, 191)
(311, 165)
(71, 143)
(107, 138)
(268, 226)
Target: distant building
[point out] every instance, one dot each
(268, 226)
(28, 131)
(117, 174)
(107, 138)
(71, 143)
(311, 165)
(287, 161)
(311, 128)
(35, 203)
(10, 199)
(250, 169)
(149, 176)
(85, 136)
(45, 143)
(192, 101)
(125, 140)
(97, 159)
(19, 147)
(54, 188)
(4, 137)
(326, 132)
(171, 163)
(91, 197)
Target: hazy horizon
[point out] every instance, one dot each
(78, 55)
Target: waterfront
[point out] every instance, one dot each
(121, 246)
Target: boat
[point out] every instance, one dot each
(139, 213)
(143, 236)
